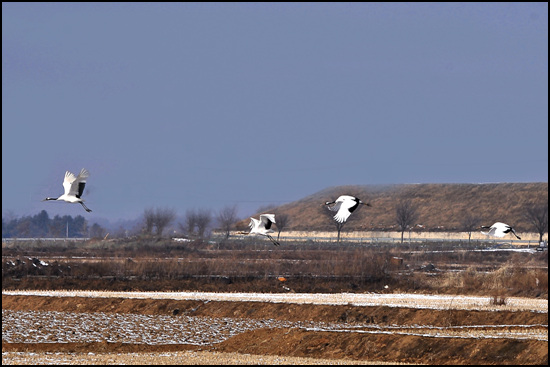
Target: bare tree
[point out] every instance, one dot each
(405, 215)
(537, 215)
(149, 219)
(96, 231)
(157, 218)
(469, 224)
(163, 217)
(227, 217)
(203, 220)
(281, 221)
(190, 222)
(24, 226)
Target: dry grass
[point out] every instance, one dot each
(445, 268)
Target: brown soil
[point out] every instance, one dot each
(391, 347)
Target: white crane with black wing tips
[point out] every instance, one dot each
(262, 226)
(344, 206)
(499, 229)
(74, 187)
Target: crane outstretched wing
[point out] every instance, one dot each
(335, 207)
(267, 220)
(68, 183)
(342, 216)
(346, 208)
(74, 185)
(253, 222)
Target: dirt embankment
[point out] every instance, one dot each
(380, 315)
(384, 347)
(398, 346)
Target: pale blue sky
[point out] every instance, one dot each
(205, 105)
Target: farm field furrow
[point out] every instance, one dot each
(67, 323)
(68, 327)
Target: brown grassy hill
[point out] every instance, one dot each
(440, 207)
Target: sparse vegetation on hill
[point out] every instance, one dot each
(441, 207)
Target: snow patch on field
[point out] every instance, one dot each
(70, 327)
(408, 300)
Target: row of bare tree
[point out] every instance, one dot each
(537, 215)
(406, 215)
(198, 223)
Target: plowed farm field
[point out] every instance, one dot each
(87, 327)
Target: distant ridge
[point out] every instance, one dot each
(441, 207)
